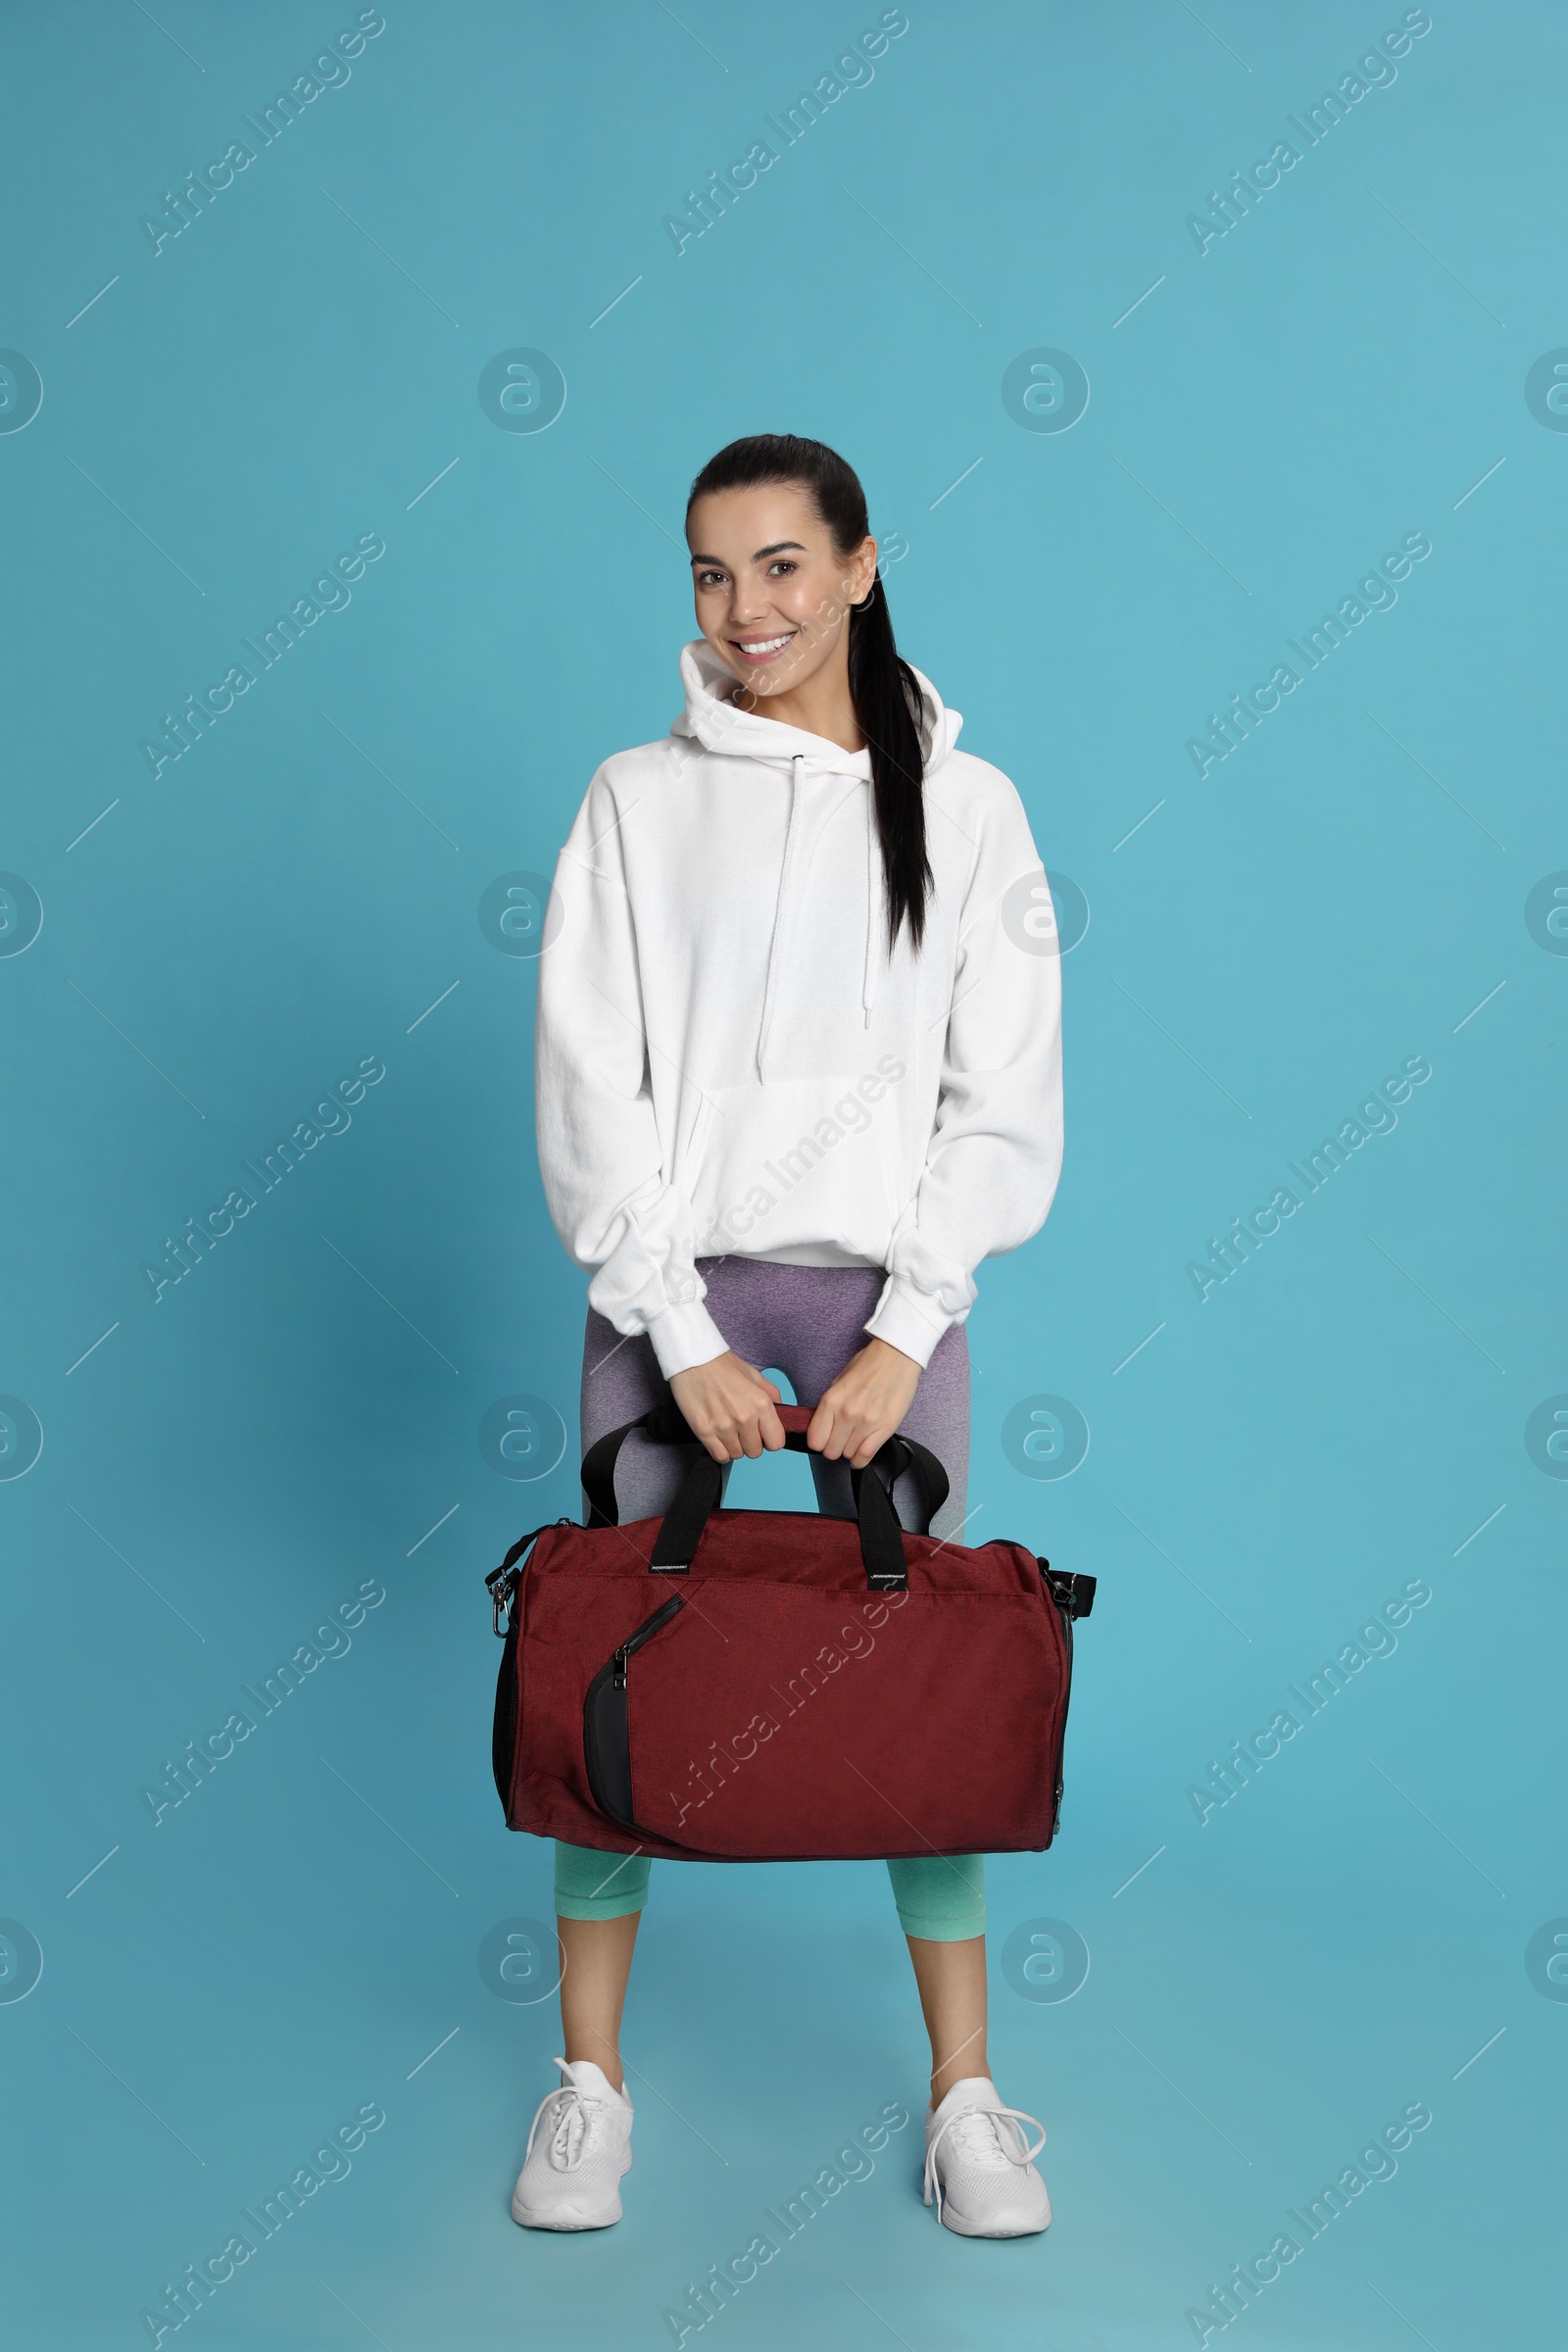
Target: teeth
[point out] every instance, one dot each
(765, 644)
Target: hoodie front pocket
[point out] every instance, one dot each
(693, 1129)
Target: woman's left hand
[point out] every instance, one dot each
(864, 1405)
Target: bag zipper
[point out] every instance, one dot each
(634, 1641)
(606, 1730)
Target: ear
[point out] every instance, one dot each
(862, 572)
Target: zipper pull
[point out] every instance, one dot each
(618, 1678)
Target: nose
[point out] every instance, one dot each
(748, 603)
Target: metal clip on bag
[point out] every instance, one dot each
(773, 1685)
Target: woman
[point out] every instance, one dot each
(799, 1071)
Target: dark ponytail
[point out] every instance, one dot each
(887, 699)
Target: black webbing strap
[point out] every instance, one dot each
(681, 1530)
(665, 1425)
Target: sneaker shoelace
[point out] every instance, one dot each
(978, 2132)
(568, 2115)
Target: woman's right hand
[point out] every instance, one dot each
(729, 1406)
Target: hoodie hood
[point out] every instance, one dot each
(712, 719)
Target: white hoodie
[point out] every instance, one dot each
(729, 1065)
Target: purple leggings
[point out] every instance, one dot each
(806, 1322)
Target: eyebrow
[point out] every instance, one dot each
(777, 547)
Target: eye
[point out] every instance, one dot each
(783, 566)
(708, 579)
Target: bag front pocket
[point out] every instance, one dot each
(606, 1734)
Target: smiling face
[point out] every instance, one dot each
(772, 592)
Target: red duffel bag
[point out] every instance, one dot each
(774, 1685)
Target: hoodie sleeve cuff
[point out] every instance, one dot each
(684, 1337)
(909, 1320)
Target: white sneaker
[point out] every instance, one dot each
(979, 2164)
(578, 2148)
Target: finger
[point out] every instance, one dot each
(819, 1429)
(777, 1395)
(866, 1440)
(751, 1442)
(771, 1428)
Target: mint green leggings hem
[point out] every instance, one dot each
(939, 1898)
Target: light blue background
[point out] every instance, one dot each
(225, 943)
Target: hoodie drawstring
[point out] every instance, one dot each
(870, 975)
(873, 908)
(775, 951)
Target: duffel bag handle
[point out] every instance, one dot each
(881, 1537)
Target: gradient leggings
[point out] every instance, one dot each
(806, 1322)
